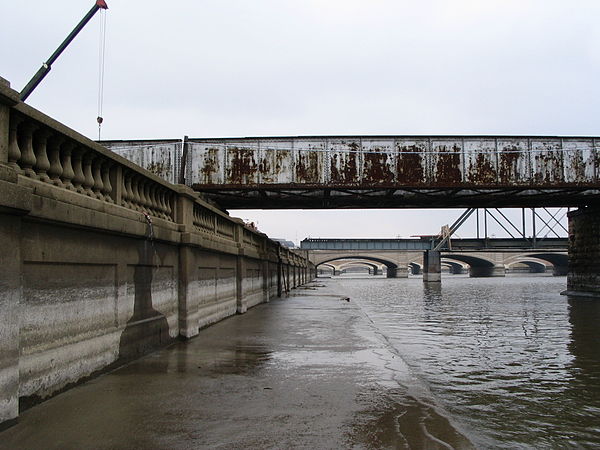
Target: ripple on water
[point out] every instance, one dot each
(511, 359)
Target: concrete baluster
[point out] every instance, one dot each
(78, 177)
(169, 204)
(107, 188)
(127, 198)
(67, 165)
(151, 200)
(42, 163)
(14, 152)
(97, 174)
(142, 192)
(27, 160)
(163, 205)
(55, 170)
(136, 201)
(88, 177)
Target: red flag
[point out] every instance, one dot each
(101, 4)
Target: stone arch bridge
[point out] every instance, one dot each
(479, 262)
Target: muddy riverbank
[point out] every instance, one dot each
(310, 370)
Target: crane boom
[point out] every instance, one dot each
(43, 71)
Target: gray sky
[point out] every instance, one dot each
(239, 68)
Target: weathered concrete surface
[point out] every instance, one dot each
(103, 261)
(310, 371)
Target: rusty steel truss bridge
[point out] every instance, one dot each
(378, 171)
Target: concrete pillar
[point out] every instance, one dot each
(15, 201)
(241, 303)
(583, 278)
(279, 278)
(10, 297)
(392, 272)
(559, 271)
(8, 98)
(416, 270)
(487, 271)
(375, 271)
(265, 279)
(432, 266)
(188, 301)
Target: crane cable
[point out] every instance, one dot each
(101, 58)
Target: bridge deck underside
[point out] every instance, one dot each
(380, 171)
(288, 197)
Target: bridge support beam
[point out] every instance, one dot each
(583, 278)
(432, 266)
(487, 271)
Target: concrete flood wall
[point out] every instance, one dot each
(102, 261)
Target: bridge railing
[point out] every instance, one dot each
(42, 152)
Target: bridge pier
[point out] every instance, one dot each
(375, 271)
(559, 271)
(432, 266)
(485, 271)
(583, 277)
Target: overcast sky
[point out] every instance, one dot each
(240, 68)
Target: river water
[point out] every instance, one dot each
(514, 363)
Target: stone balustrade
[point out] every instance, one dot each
(103, 261)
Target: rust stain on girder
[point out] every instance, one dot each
(548, 163)
(482, 170)
(344, 166)
(410, 164)
(308, 167)
(241, 168)
(448, 163)
(510, 156)
(378, 167)
(209, 167)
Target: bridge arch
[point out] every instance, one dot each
(415, 268)
(533, 266)
(392, 268)
(369, 265)
(455, 267)
(559, 261)
(478, 266)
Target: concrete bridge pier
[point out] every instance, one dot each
(375, 271)
(392, 272)
(487, 271)
(559, 271)
(583, 277)
(432, 266)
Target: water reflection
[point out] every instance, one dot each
(584, 316)
(511, 359)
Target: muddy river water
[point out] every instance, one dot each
(471, 363)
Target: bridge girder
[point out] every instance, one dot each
(379, 171)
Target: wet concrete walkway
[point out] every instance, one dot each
(308, 371)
